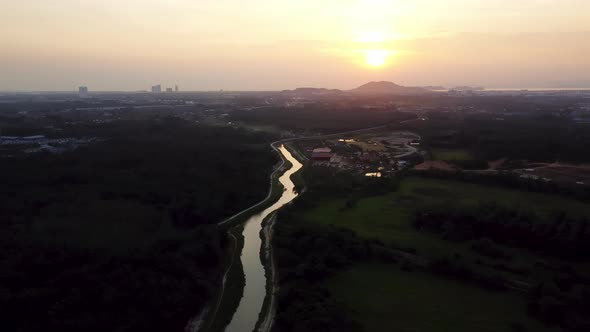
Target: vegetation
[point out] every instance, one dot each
(450, 155)
(510, 180)
(121, 235)
(387, 296)
(426, 240)
(388, 214)
(532, 137)
(318, 118)
(307, 256)
(569, 237)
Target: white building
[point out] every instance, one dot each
(83, 92)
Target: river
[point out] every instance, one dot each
(246, 316)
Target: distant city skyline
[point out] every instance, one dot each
(111, 45)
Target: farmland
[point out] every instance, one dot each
(409, 277)
(388, 217)
(414, 301)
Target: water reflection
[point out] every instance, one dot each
(373, 175)
(246, 315)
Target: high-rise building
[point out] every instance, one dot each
(168, 90)
(176, 88)
(157, 88)
(83, 92)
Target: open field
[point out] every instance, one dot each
(369, 147)
(566, 173)
(384, 298)
(388, 217)
(451, 154)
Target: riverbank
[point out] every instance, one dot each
(263, 235)
(267, 313)
(232, 290)
(246, 316)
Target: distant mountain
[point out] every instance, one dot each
(468, 88)
(384, 87)
(434, 87)
(313, 91)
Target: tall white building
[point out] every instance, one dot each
(157, 88)
(83, 92)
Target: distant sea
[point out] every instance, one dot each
(537, 89)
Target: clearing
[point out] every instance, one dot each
(394, 300)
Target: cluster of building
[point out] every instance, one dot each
(158, 89)
(83, 90)
(376, 156)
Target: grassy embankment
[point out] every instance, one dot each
(222, 309)
(218, 319)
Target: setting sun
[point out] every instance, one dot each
(376, 58)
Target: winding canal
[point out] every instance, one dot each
(246, 316)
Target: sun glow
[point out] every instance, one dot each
(376, 58)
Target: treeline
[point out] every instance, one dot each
(318, 118)
(164, 164)
(533, 137)
(120, 235)
(507, 180)
(537, 138)
(559, 235)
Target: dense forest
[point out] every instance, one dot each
(318, 118)
(120, 235)
(533, 137)
(569, 236)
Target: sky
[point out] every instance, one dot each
(129, 45)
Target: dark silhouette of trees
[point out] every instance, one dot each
(559, 235)
(121, 235)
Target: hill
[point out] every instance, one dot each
(384, 87)
(313, 91)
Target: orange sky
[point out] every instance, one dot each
(272, 44)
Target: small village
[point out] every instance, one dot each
(374, 155)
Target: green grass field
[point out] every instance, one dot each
(450, 155)
(388, 217)
(384, 298)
